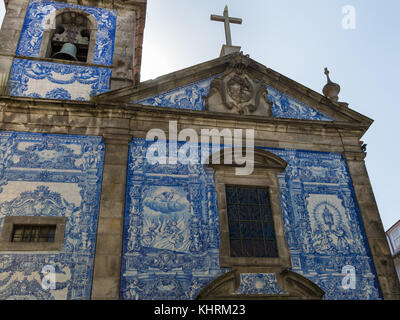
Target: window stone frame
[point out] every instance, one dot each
(10, 221)
(266, 168)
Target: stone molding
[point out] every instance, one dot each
(10, 221)
(295, 285)
(266, 167)
(262, 159)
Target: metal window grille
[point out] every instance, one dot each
(33, 233)
(251, 227)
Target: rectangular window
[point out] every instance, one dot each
(251, 227)
(33, 233)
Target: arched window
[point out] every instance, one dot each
(72, 36)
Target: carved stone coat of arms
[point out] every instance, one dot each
(235, 91)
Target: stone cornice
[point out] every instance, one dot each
(130, 111)
(354, 156)
(110, 4)
(75, 63)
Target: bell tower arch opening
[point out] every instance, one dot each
(71, 36)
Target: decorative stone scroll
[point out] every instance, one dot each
(235, 91)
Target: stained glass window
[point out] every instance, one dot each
(251, 227)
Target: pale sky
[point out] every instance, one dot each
(298, 39)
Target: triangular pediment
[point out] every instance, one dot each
(236, 84)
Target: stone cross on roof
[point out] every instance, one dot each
(227, 21)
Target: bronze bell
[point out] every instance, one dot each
(67, 52)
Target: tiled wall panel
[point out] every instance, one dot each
(323, 225)
(50, 80)
(171, 234)
(192, 96)
(51, 175)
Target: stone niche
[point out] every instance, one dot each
(236, 91)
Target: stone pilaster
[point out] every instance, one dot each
(374, 230)
(10, 32)
(107, 264)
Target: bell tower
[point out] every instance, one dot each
(70, 50)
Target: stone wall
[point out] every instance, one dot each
(326, 173)
(59, 80)
(116, 44)
(119, 124)
(10, 32)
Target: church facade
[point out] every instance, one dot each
(92, 208)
